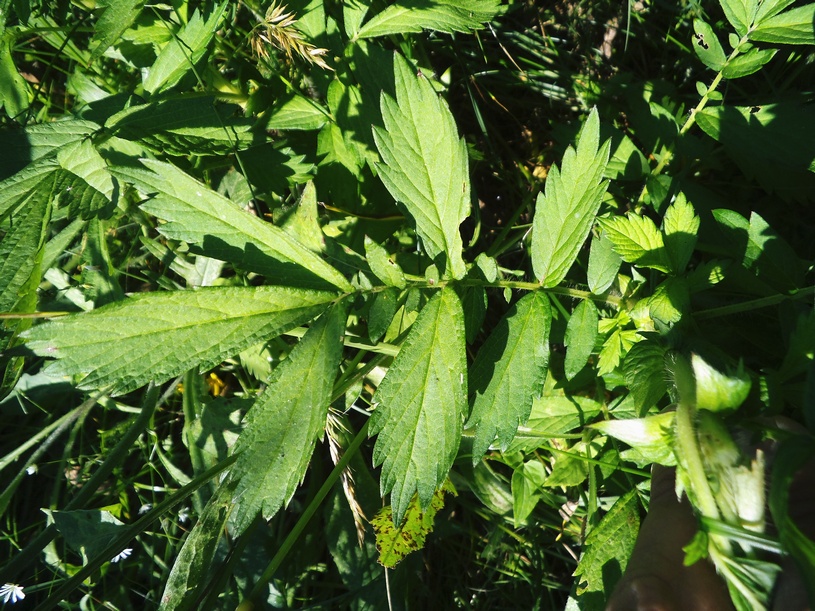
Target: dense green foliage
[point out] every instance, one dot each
(292, 293)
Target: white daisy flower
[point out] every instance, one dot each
(123, 554)
(11, 592)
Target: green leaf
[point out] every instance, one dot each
(87, 532)
(581, 334)
(224, 231)
(680, 226)
(740, 13)
(424, 164)
(288, 417)
(383, 266)
(707, 46)
(644, 370)
(191, 569)
(747, 63)
(353, 14)
(301, 220)
(652, 437)
(448, 16)
(792, 27)
(396, 542)
(608, 547)
(184, 51)
(383, 309)
(297, 112)
(509, 372)
(14, 90)
(670, 301)
(527, 481)
(420, 405)
(770, 8)
(85, 183)
(637, 240)
(117, 16)
(155, 336)
(565, 212)
(604, 263)
(551, 416)
(188, 125)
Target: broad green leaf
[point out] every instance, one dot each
(509, 372)
(644, 370)
(527, 481)
(86, 531)
(85, 183)
(36, 141)
(551, 416)
(611, 541)
(792, 27)
(15, 92)
(424, 164)
(191, 125)
(637, 240)
(707, 46)
(680, 226)
(380, 316)
(564, 213)
(616, 346)
(747, 63)
(716, 390)
(288, 417)
(353, 14)
(670, 301)
(420, 405)
(301, 220)
(224, 231)
(35, 176)
(117, 16)
(383, 266)
(297, 112)
(740, 13)
(581, 334)
(191, 569)
(155, 336)
(184, 51)
(395, 542)
(21, 252)
(604, 263)
(448, 16)
(770, 8)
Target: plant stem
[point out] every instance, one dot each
(691, 460)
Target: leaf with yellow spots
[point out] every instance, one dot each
(395, 542)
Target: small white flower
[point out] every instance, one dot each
(11, 592)
(123, 554)
(31, 469)
(145, 508)
(184, 515)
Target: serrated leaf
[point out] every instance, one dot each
(792, 27)
(117, 16)
(443, 16)
(644, 370)
(383, 309)
(282, 428)
(680, 226)
(424, 164)
(383, 266)
(85, 183)
(747, 63)
(707, 46)
(564, 213)
(604, 263)
(612, 540)
(581, 334)
(551, 416)
(297, 112)
(191, 568)
(395, 542)
(670, 301)
(155, 336)
(509, 372)
(650, 436)
(301, 220)
(224, 231)
(184, 51)
(186, 125)
(740, 13)
(420, 405)
(637, 240)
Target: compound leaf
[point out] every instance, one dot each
(283, 426)
(224, 231)
(509, 372)
(424, 164)
(637, 240)
(420, 405)
(155, 336)
(565, 212)
(440, 15)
